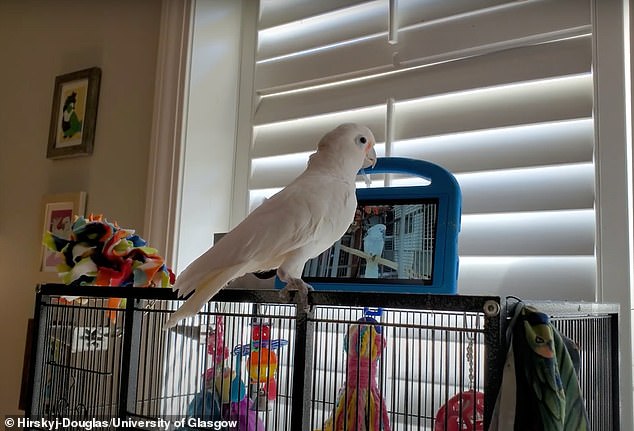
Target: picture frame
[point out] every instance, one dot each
(74, 114)
(58, 214)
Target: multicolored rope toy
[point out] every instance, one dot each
(100, 253)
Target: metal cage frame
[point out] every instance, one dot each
(568, 317)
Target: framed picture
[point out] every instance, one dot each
(58, 212)
(74, 114)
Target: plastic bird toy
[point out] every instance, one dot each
(224, 394)
(262, 362)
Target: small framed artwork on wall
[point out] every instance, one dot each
(74, 114)
(58, 214)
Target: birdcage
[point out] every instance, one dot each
(247, 361)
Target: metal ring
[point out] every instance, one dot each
(491, 308)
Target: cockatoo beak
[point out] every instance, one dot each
(370, 158)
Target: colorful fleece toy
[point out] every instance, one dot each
(100, 253)
(360, 406)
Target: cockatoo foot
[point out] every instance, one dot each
(298, 285)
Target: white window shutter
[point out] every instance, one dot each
(498, 92)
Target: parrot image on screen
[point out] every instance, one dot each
(291, 227)
(373, 243)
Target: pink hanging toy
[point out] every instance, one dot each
(463, 412)
(360, 406)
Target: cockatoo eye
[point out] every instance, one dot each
(361, 140)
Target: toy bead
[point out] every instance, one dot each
(262, 365)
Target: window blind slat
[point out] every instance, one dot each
(520, 103)
(536, 189)
(536, 145)
(562, 58)
(349, 59)
(303, 134)
(508, 147)
(465, 35)
(532, 102)
(540, 189)
(331, 28)
(274, 13)
(411, 12)
(534, 277)
(548, 233)
(278, 12)
(521, 23)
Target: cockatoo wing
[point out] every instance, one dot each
(286, 222)
(258, 243)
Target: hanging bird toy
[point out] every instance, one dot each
(360, 406)
(261, 363)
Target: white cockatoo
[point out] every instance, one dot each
(293, 226)
(373, 243)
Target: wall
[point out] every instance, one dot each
(38, 41)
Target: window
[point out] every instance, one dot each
(491, 90)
